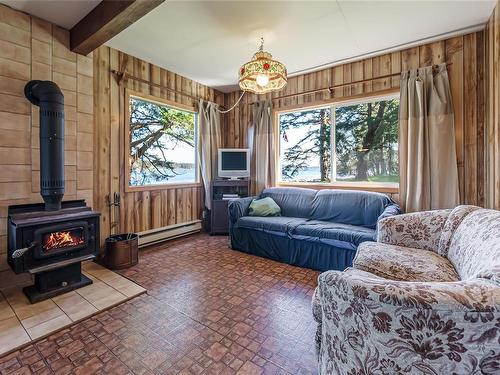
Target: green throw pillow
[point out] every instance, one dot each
(264, 207)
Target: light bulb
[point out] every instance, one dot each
(262, 80)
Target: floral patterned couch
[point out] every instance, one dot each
(424, 299)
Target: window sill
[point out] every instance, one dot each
(380, 187)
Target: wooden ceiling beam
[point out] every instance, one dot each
(106, 20)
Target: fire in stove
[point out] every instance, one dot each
(59, 240)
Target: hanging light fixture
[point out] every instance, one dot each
(262, 74)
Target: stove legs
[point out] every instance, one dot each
(51, 283)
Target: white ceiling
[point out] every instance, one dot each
(209, 40)
(64, 13)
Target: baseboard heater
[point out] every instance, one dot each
(153, 236)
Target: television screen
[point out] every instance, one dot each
(234, 161)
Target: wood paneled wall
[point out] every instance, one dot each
(31, 48)
(492, 142)
(465, 53)
(146, 209)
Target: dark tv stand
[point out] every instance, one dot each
(219, 216)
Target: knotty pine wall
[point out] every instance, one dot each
(492, 145)
(153, 207)
(31, 48)
(466, 53)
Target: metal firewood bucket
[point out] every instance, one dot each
(122, 251)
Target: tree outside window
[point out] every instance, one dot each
(358, 143)
(162, 143)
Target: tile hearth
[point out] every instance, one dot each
(22, 322)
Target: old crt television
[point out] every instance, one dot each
(234, 163)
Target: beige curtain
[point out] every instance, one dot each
(261, 139)
(427, 156)
(208, 144)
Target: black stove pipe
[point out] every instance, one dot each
(50, 99)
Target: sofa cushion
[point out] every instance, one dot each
(403, 263)
(475, 246)
(359, 208)
(341, 235)
(278, 224)
(294, 202)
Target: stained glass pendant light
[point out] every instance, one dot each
(262, 74)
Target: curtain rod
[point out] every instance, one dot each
(122, 75)
(331, 88)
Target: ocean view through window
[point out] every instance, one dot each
(352, 142)
(162, 144)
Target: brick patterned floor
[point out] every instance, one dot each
(208, 310)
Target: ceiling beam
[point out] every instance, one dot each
(106, 20)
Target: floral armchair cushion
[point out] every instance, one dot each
(374, 326)
(420, 230)
(475, 246)
(403, 263)
(428, 230)
(452, 222)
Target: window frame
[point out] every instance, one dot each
(386, 187)
(129, 94)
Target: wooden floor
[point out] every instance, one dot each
(208, 310)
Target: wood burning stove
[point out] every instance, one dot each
(51, 245)
(51, 239)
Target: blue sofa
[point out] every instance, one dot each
(318, 229)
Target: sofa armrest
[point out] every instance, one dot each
(420, 230)
(239, 208)
(391, 210)
(442, 327)
(474, 295)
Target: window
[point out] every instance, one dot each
(344, 142)
(162, 143)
